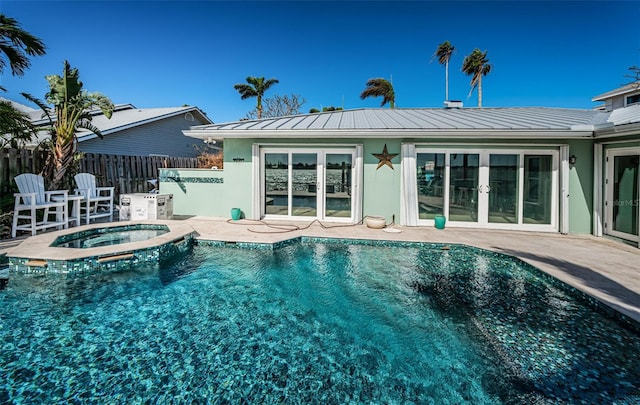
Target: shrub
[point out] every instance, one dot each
(210, 160)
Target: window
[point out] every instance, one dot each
(634, 99)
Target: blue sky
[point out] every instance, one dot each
(171, 53)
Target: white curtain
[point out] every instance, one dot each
(257, 191)
(408, 187)
(564, 189)
(356, 193)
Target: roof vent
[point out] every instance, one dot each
(453, 104)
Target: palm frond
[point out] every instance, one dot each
(88, 125)
(43, 106)
(379, 87)
(17, 44)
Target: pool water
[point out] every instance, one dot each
(109, 236)
(313, 323)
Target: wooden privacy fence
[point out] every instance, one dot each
(128, 174)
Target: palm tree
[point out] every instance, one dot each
(256, 87)
(476, 65)
(443, 53)
(379, 87)
(73, 108)
(16, 45)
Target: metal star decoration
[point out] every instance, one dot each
(385, 157)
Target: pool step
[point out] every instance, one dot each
(125, 256)
(36, 263)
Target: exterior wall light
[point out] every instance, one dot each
(572, 160)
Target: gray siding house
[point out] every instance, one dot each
(142, 132)
(135, 131)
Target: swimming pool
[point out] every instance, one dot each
(314, 321)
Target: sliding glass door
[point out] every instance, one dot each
(503, 188)
(338, 172)
(307, 183)
(495, 188)
(622, 183)
(464, 172)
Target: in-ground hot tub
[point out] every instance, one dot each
(117, 235)
(100, 247)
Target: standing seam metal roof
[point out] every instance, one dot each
(521, 118)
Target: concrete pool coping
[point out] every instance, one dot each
(39, 247)
(602, 268)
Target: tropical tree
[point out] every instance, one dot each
(443, 53)
(16, 129)
(476, 65)
(279, 106)
(634, 75)
(379, 87)
(72, 107)
(16, 45)
(255, 87)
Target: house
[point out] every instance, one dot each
(135, 131)
(529, 169)
(622, 97)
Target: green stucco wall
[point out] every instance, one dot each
(581, 187)
(194, 192)
(381, 186)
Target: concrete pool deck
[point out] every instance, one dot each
(605, 269)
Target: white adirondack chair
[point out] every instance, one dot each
(98, 201)
(33, 197)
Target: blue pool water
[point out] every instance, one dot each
(313, 323)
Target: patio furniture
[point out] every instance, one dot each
(33, 198)
(98, 201)
(74, 214)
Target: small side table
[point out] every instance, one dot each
(74, 214)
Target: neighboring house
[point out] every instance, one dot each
(529, 169)
(136, 131)
(622, 97)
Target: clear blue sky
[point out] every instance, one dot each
(171, 53)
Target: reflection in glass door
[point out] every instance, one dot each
(304, 184)
(463, 187)
(337, 179)
(538, 177)
(276, 183)
(431, 178)
(622, 195)
(503, 188)
(308, 183)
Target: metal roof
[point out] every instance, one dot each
(623, 116)
(124, 116)
(404, 122)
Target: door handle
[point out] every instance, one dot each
(480, 188)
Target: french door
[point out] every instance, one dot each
(307, 183)
(621, 187)
(510, 189)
